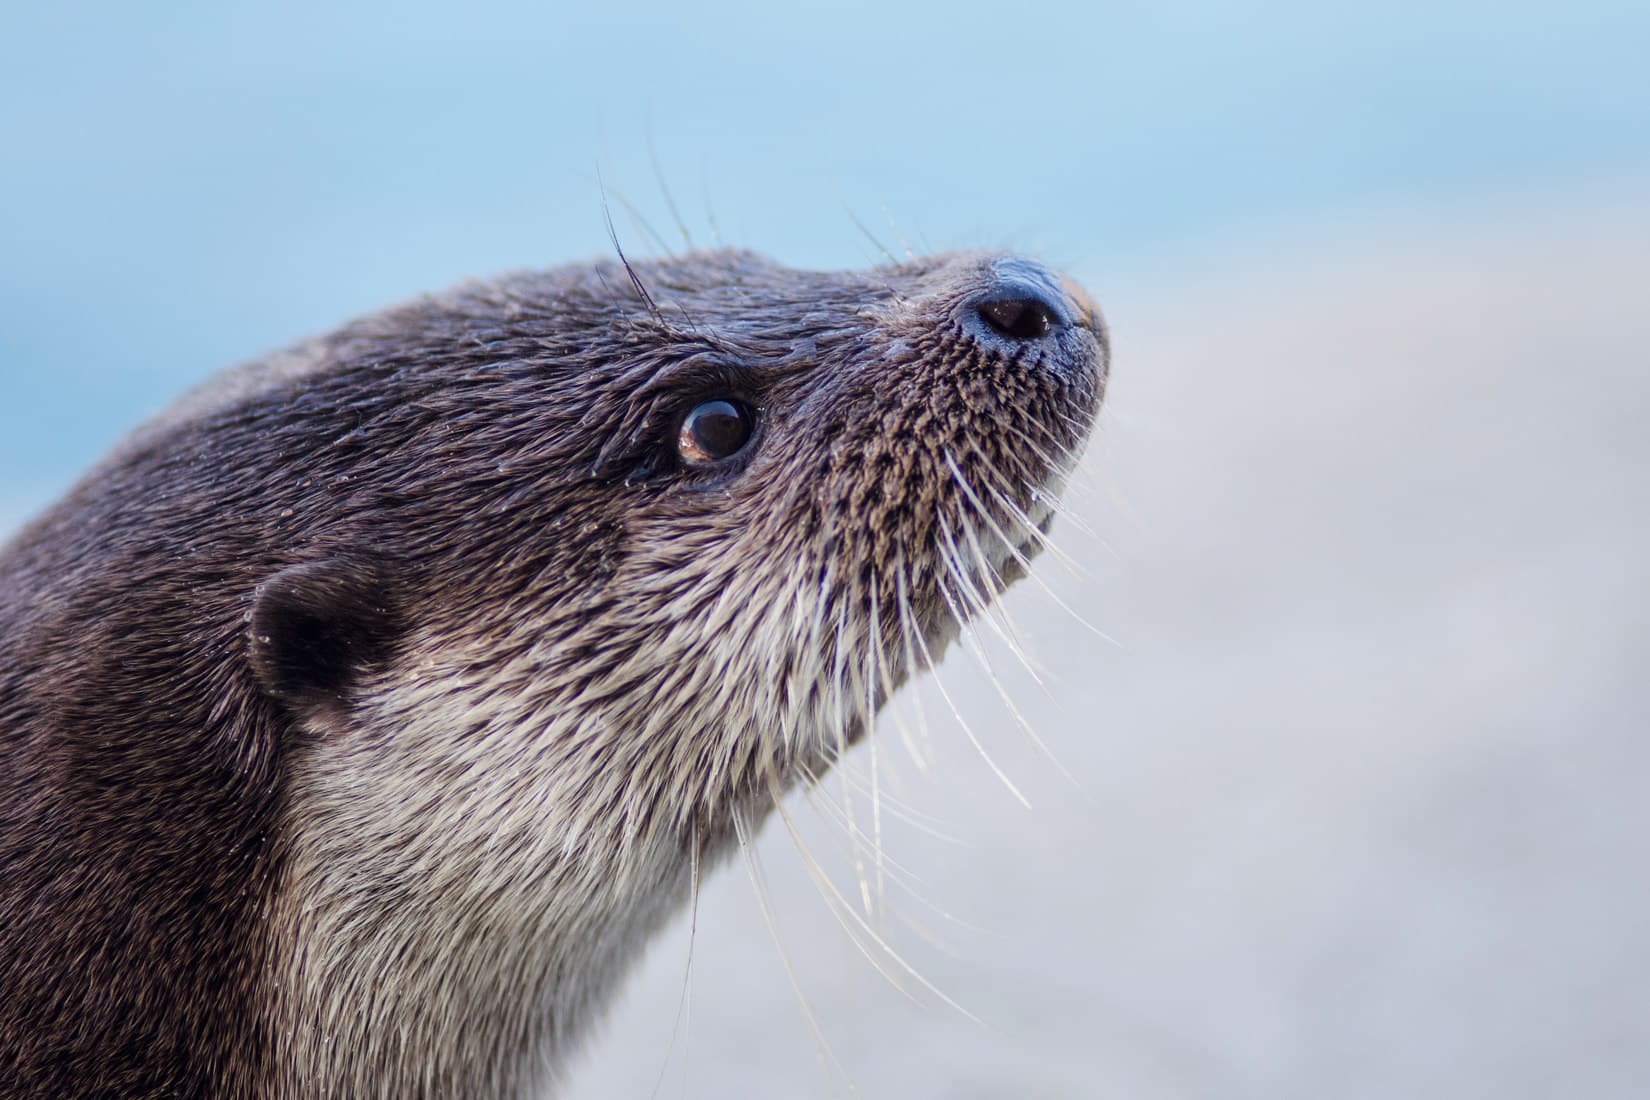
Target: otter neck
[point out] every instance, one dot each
(457, 990)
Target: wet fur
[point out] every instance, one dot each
(361, 717)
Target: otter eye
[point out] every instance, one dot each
(713, 431)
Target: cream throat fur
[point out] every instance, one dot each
(367, 713)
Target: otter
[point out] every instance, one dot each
(362, 716)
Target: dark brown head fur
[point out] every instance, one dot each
(388, 687)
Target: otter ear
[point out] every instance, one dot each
(314, 628)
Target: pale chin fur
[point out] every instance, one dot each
(473, 838)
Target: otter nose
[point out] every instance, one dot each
(1018, 318)
(1025, 302)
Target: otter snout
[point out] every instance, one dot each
(1035, 315)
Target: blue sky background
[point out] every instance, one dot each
(190, 184)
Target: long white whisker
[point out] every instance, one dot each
(841, 701)
(753, 867)
(1018, 642)
(968, 731)
(874, 647)
(1066, 467)
(886, 680)
(685, 1003)
(842, 911)
(1025, 563)
(909, 629)
(977, 651)
(984, 608)
(903, 878)
(896, 807)
(825, 883)
(899, 874)
(998, 485)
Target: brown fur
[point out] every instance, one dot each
(360, 717)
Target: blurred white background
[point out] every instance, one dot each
(1360, 796)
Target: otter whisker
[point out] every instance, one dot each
(744, 832)
(971, 642)
(664, 189)
(968, 730)
(952, 565)
(873, 648)
(863, 228)
(986, 582)
(1062, 463)
(970, 638)
(1002, 489)
(1024, 522)
(898, 233)
(710, 210)
(897, 808)
(906, 880)
(825, 883)
(983, 609)
(885, 679)
(830, 811)
(999, 487)
(821, 604)
(629, 269)
(1013, 637)
(1060, 602)
(969, 585)
(1035, 534)
(640, 223)
(1074, 474)
(909, 630)
(842, 911)
(842, 699)
(685, 1002)
(1068, 512)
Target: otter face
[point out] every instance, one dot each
(368, 710)
(594, 564)
(686, 531)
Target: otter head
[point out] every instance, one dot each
(572, 572)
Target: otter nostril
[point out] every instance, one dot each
(1018, 318)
